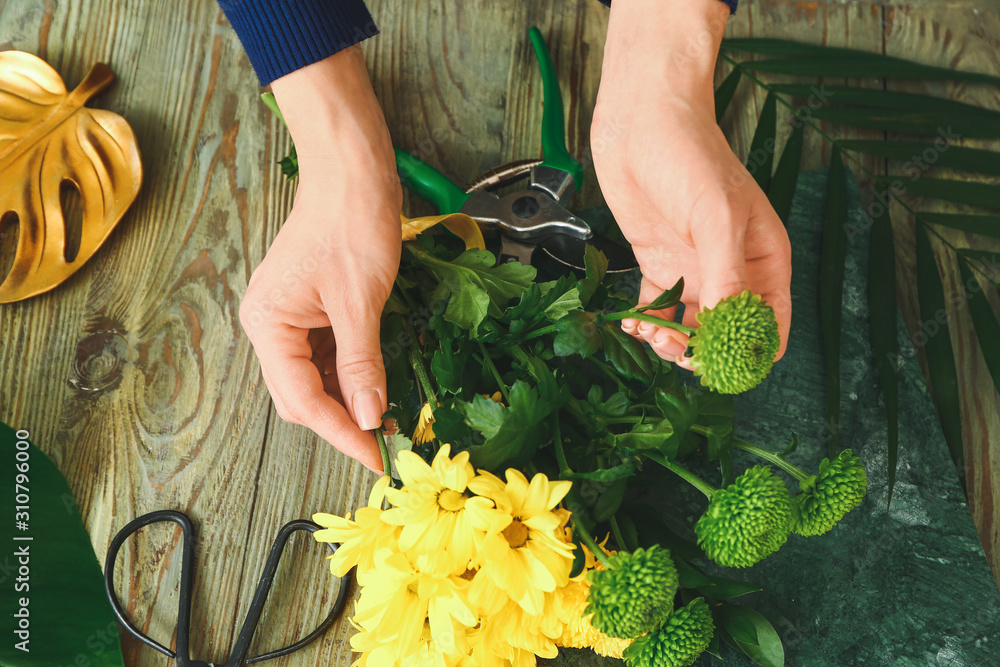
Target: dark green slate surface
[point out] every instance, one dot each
(906, 587)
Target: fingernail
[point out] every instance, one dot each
(645, 327)
(628, 326)
(668, 345)
(367, 405)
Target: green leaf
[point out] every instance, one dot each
(484, 415)
(564, 304)
(848, 63)
(724, 93)
(760, 161)
(885, 99)
(650, 437)
(609, 501)
(882, 308)
(69, 612)
(448, 368)
(715, 417)
(625, 353)
(616, 405)
(940, 358)
(476, 285)
(920, 155)
(786, 174)
(669, 297)
(790, 448)
(982, 195)
(523, 427)
(983, 318)
(612, 474)
(988, 257)
(987, 225)
(752, 634)
(916, 121)
(468, 305)
(831, 288)
(551, 300)
(596, 265)
(719, 588)
(577, 333)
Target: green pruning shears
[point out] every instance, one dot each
(535, 217)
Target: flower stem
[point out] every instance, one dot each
(771, 457)
(488, 360)
(557, 445)
(580, 531)
(645, 317)
(617, 532)
(384, 449)
(622, 315)
(417, 361)
(687, 476)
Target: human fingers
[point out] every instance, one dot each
(300, 395)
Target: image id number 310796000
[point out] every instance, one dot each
(22, 552)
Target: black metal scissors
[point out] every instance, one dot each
(238, 655)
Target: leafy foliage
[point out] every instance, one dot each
(929, 125)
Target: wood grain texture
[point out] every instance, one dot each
(135, 375)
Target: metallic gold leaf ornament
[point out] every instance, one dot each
(48, 139)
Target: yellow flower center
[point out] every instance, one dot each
(516, 534)
(451, 501)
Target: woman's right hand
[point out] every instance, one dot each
(313, 307)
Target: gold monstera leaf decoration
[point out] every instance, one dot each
(49, 139)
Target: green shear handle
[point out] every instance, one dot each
(432, 185)
(554, 151)
(429, 183)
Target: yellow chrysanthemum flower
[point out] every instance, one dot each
(434, 509)
(578, 632)
(521, 551)
(424, 430)
(398, 597)
(360, 539)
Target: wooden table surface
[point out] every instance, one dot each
(135, 376)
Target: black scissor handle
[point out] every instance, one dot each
(182, 656)
(241, 648)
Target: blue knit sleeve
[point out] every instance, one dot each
(731, 3)
(281, 36)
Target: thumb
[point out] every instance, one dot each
(360, 372)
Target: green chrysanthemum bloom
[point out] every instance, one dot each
(746, 521)
(634, 594)
(735, 344)
(677, 642)
(838, 488)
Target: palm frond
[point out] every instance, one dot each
(931, 127)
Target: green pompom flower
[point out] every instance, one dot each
(746, 521)
(838, 488)
(634, 594)
(677, 642)
(735, 344)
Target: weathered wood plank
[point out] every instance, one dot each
(962, 36)
(135, 375)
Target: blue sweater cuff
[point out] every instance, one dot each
(281, 37)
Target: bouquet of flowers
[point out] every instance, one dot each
(524, 413)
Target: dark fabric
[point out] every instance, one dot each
(731, 3)
(281, 36)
